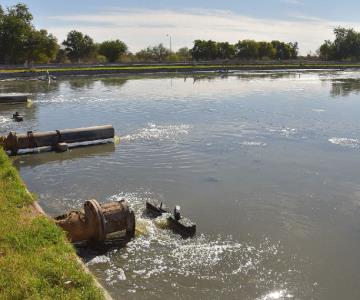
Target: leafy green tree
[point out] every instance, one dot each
(41, 46)
(78, 46)
(15, 27)
(225, 50)
(266, 50)
(112, 50)
(20, 42)
(154, 53)
(285, 50)
(347, 43)
(247, 49)
(204, 50)
(345, 46)
(61, 56)
(294, 50)
(184, 54)
(327, 50)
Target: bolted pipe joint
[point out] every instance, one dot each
(99, 223)
(58, 139)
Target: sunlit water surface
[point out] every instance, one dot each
(267, 165)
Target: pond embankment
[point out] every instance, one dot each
(83, 70)
(36, 260)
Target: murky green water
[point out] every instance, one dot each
(266, 163)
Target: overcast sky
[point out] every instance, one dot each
(141, 23)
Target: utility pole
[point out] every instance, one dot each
(170, 42)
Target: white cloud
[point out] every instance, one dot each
(295, 2)
(140, 28)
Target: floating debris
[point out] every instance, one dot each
(17, 117)
(178, 223)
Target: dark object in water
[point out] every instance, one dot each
(183, 226)
(155, 208)
(13, 98)
(61, 147)
(47, 78)
(179, 224)
(177, 215)
(108, 222)
(17, 117)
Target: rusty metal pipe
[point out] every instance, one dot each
(98, 223)
(14, 142)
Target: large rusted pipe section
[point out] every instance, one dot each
(14, 142)
(99, 223)
(13, 98)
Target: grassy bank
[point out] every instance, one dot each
(36, 261)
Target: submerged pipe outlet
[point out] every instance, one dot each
(99, 223)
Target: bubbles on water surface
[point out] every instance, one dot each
(158, 132)
(253, 144)
(4, 120)
(277, 295)
(345, 142)
(201, 262)
(4, 123)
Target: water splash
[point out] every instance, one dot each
(4, 120)
(277, 295)
(157, 251)
(157, 132)
(345, 142)
(253, 144)
(4, 124)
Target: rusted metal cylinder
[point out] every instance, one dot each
(99, 223)
(14, 142)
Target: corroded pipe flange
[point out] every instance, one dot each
(99, 223)
(14, 142)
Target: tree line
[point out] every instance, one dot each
(21, 42)
(346, 45)
(245, 49)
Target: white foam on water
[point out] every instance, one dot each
(277, 295)
(253, 144)
(4, 123)
(101, 259)
(319, 110)
(157, 252)
(157, 132)
(287, 132)
(4, 120)
(345, 142)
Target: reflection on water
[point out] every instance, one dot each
(33, 160)
(345, 87)
(266, 163)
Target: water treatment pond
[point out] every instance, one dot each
(266, 163)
